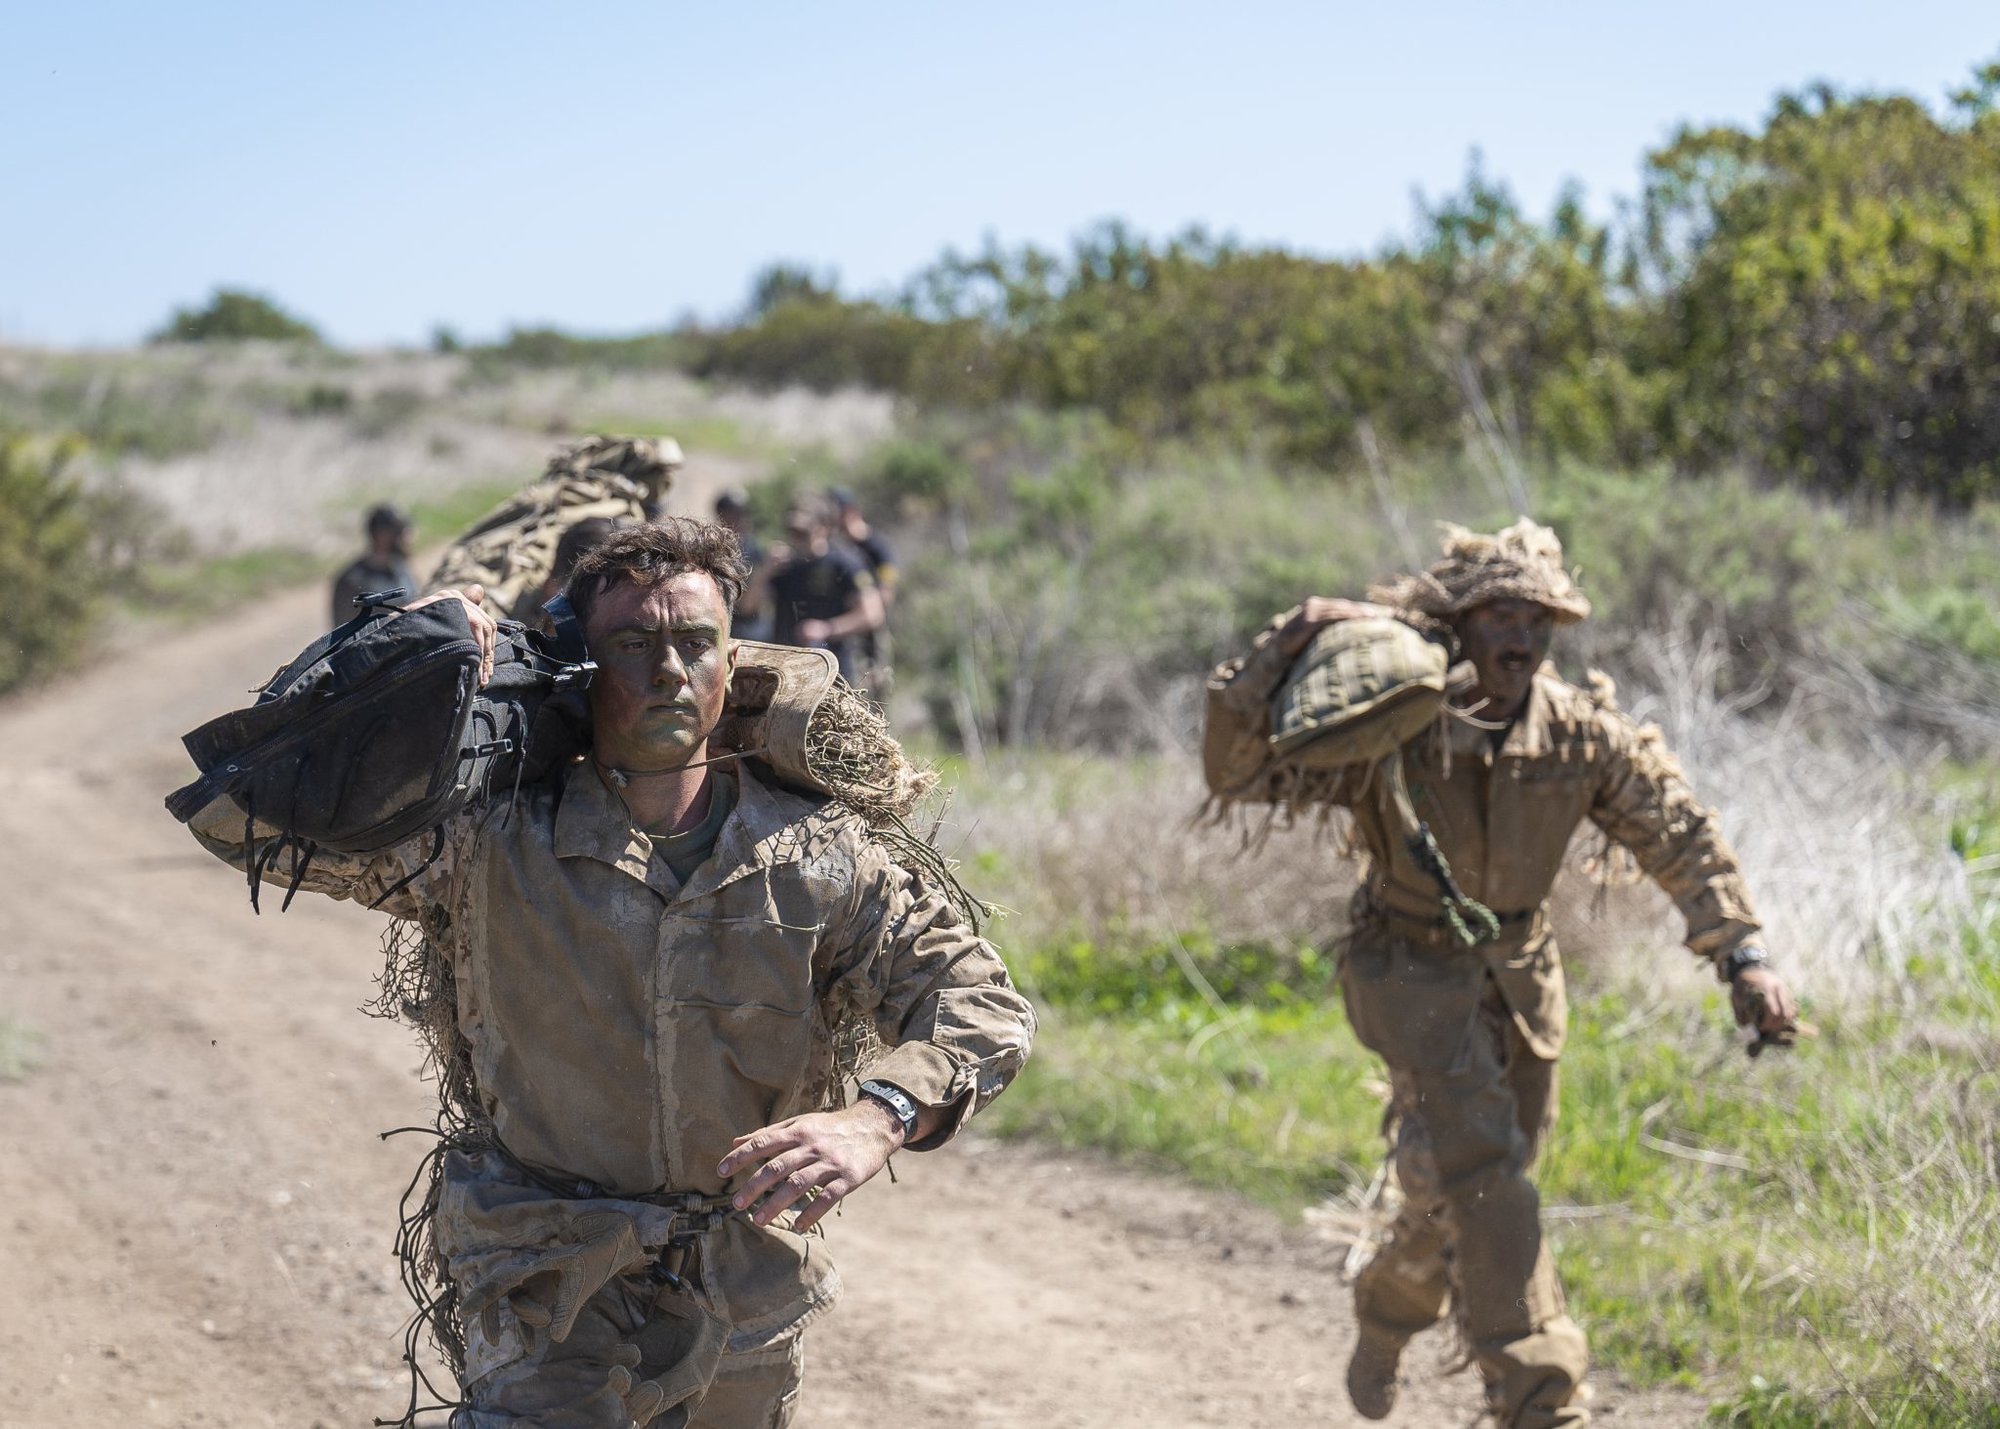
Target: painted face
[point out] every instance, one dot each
(663, 664)
(1506, 641)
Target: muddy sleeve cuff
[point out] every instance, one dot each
(956, 1031)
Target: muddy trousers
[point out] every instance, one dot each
(1463, 1141)
(582, 1381)
(758, 1389)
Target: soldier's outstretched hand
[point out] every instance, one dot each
(1320, 611)
(819, 1158)
(1760, 999)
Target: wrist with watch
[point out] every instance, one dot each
(897, 1101)
(1740, 960)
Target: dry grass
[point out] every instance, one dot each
(250, 446)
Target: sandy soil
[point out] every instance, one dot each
(195, 1210)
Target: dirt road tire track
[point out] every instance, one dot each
(195, 1211)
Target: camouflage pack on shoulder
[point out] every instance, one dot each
(511, 550)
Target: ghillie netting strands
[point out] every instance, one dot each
(790, 710)
(418, 988)
(1523, 562)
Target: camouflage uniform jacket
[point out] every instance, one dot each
(624, 1028)
(1503, 820)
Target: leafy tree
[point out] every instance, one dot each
(233, 315)
(782, 283)
(1829, 293)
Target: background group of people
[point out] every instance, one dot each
(829, 584)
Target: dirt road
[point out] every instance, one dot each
(195, 1211)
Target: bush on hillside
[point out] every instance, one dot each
(1069, 586)
(233, 315)
(1832, 295)
(1816, 301)
(48, 559)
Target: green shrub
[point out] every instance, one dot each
(233, 315)
(48, 562)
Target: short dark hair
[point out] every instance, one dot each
(386, 518)
(655, 552)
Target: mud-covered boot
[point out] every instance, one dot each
(1371, 1373)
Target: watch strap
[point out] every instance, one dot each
(897, 1100)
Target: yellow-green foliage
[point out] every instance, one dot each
(1818, 300)
(232, 315)
(49, 573)
(1835, 293)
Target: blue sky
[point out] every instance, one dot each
(606, 167)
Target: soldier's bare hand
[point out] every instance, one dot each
(485, 629)
(1760, 998)
(819, 1158)
(1318, 612)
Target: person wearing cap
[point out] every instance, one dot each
(1450, 971)
(384, 566)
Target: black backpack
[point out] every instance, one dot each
(380, 730)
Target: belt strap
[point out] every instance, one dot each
(1472, 921)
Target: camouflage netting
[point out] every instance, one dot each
(854, 758)
(649, 461)
(418, 988)
(839, 747)
(1523, 562)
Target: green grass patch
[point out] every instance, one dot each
(441, 518)
(1721, 1224)
(722, 436)
(195, 590)
(20, 1049)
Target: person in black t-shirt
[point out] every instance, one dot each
(873, 652)
(816, 594)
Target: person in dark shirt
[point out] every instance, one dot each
(385, 565)
(817, 594)
(868, 542)
(873, 651)
(732, 510)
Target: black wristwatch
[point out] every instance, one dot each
(1746, 955)
(897, 1100)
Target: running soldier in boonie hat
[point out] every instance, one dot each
(1450, 971)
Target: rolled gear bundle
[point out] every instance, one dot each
(789, 708)
(1361, 690)
(511, 550)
